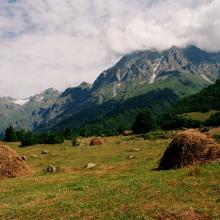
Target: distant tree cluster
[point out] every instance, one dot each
(207, 99)
(28, 138)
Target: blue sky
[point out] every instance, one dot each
(59, 43)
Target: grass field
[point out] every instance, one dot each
(199, 115)
(118, 188)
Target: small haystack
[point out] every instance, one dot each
(11, 164)
(188, 148)
(96, 141)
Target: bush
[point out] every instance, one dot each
(154, 135)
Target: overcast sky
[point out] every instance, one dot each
(60, 43)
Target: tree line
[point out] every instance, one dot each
(28, 138)
(144, 122)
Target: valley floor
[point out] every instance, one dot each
(118, 188)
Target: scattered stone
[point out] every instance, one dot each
(90, 165)
(24, 158)
(127, 132)
(34, 156)
(96, 141)
(51, 169)
(136, 149)
(45, 152)
(76, 142)
(131, 157)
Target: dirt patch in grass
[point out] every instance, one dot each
(188, 148)
(99, 170)
(187, 215)
(11, 164)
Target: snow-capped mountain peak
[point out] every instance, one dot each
(21, 101)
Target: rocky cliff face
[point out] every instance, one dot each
(148, 67)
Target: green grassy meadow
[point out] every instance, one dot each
(200, 115)
(118, 188)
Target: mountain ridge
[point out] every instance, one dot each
(183, 70)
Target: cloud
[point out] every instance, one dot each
(53, 43)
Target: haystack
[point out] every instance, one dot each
(188, 148)
(11, 164)
(96, 141)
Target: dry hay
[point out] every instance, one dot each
(96, 141)
(11, 164)
(188, 148)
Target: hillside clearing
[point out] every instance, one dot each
(118, 188)
(200, 115)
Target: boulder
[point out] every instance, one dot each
(45, 152)
(24, 157)
(90, 165)
(131, 157)
(51, 169)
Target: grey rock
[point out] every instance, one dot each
(24, 157)
(90, 165)
(51, 169)
(136, 149)
(45, 152)
(131, 157)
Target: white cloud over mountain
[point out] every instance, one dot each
(59, 43)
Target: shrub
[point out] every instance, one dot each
(154, 135)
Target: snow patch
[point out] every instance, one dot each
(206, 79)
(153, 77)
(21, 101)
(41, 99)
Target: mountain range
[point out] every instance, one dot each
(137, 80)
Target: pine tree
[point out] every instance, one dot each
(144, 123)
(68, 134)
(10, 135)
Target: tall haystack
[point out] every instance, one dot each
(188, 148)
(11, 164)
(96, 141)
